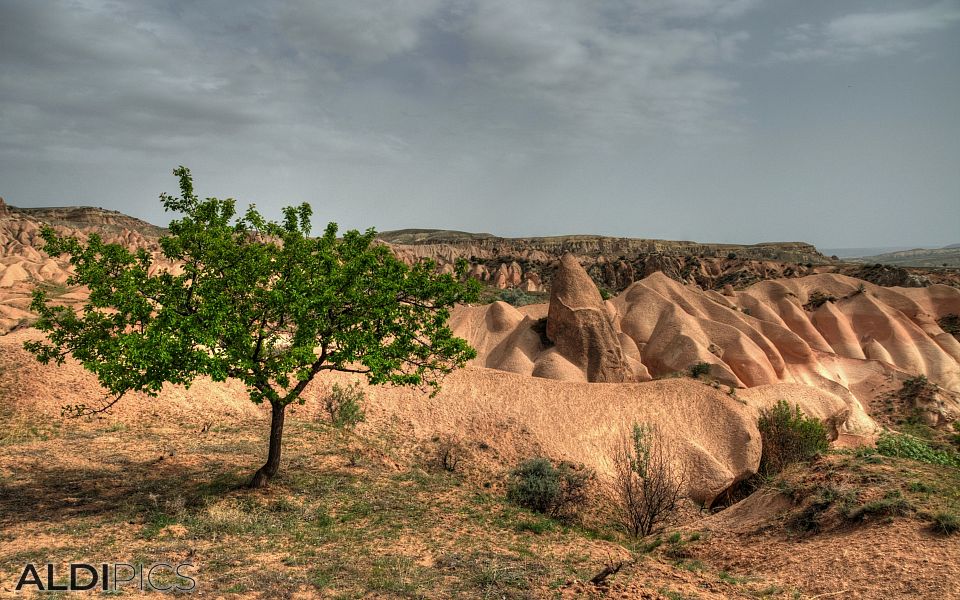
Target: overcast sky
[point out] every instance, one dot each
(834, 122)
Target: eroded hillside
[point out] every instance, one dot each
(614, 263)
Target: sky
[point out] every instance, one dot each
(835, 122)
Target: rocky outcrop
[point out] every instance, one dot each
(580, 327)
(615, 263)
(889, 276)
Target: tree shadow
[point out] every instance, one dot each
(123, 489)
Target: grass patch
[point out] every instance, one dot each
(908, 446)
(946, 523)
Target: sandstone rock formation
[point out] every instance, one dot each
(580, 326)
(762, 336)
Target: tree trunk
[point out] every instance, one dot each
(262, 477)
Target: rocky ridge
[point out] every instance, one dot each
(529, 264)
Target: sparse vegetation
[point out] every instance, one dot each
(917, 389)
(647, 485)
(950, 323)
(946, 523)
(700, 369)
(559, 491)
(788, 437)
(816, 299)
(908, 446)
(518, 297)
(344, 405)
(893, 504)
(811, 518)
(448, 454)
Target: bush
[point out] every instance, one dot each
(518, 297)
(647, 486)
(818, 299)
(811, 518)
(699, 369)
(907, 446)
(343, 407)
(449, 454)
(947, 523)
(558, 491)
(788, 437)
(917, 391)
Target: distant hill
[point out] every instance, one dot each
(919, 257)
(845, 253)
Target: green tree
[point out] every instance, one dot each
(257, 301)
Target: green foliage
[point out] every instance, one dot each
(259, 301)
(947, 523)
(920, 487)
(558, 491)
(539, 526)
(788, 437)
(518, 297)
(699, 369)
(344, 405)
(908, 446)
(917, 388)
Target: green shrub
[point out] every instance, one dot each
(557, 491)
(518, 297)
(788, 437)
(917, 389)
(907, 446)
(343, 405)
(699, 369)
(947, 523)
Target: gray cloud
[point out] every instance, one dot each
(864, 35)
(648, 118)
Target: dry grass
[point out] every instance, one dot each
(346, 517)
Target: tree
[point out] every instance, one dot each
(257, 301)
(647, 485)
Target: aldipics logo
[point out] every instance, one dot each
(108, 577)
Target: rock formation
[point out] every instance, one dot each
(853, 348)
(579, 325)
(615, 263)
